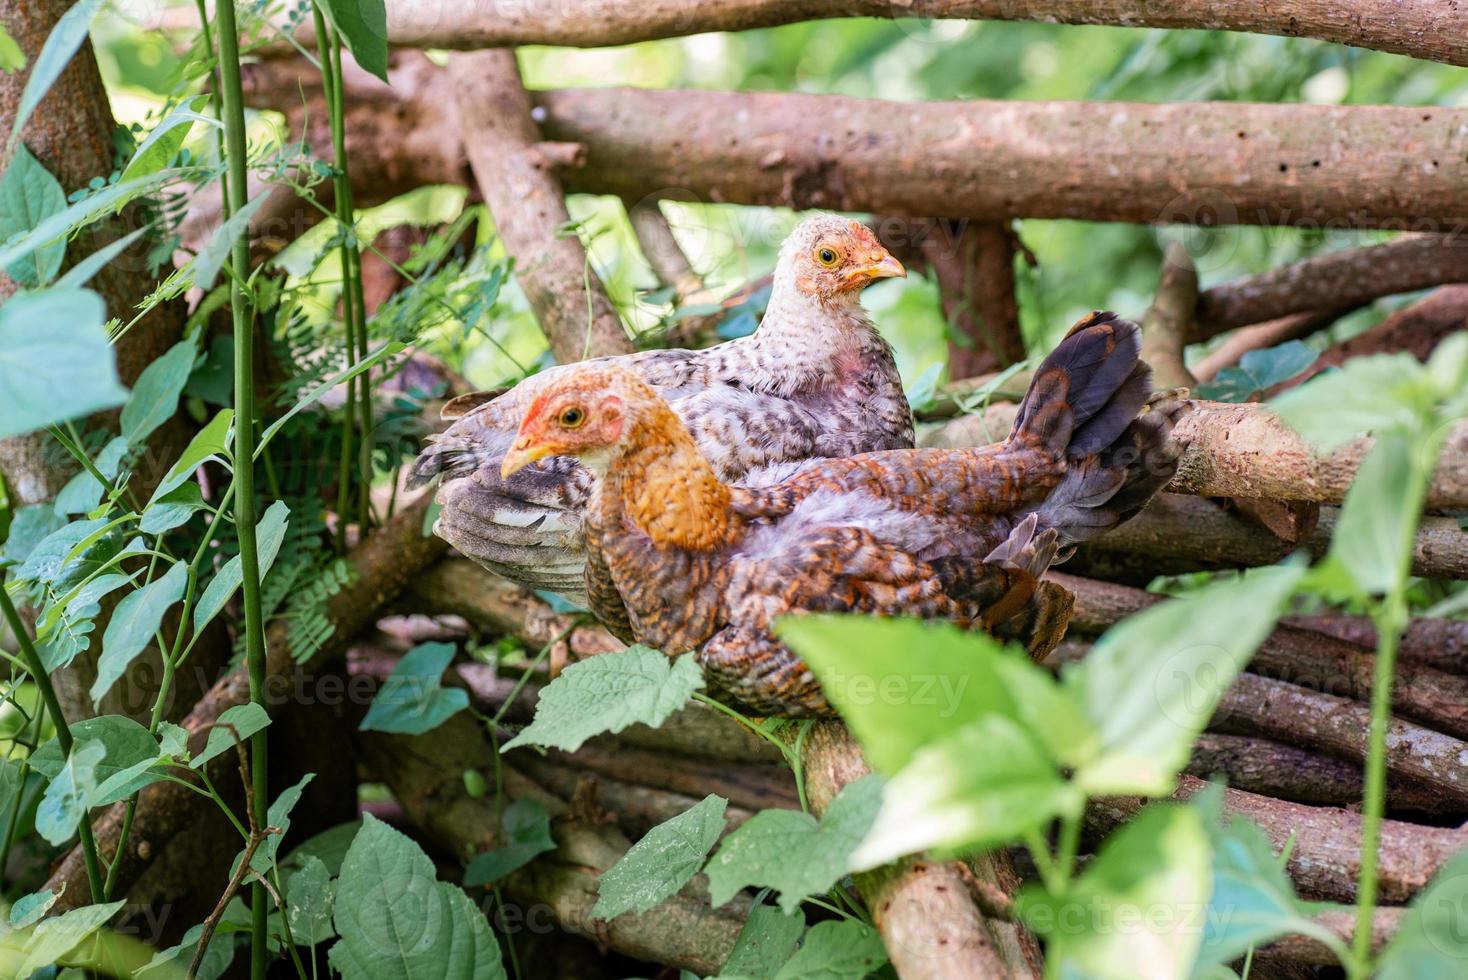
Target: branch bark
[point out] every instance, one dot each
(1355, 166)
(1418, 28)
(1337, 281)
(529, 210)
(1168, 320)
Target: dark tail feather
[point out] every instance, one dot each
(1089, 403)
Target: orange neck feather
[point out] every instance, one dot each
(665, 486)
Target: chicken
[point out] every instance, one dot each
(681, 560)
(815, 380)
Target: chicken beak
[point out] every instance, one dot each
(521, 455)
(885, 268)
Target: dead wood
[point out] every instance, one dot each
(1167, 322)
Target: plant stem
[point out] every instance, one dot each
(63, 730)
(232, 100)
(25, 769)
(1390, 619)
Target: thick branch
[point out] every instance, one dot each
(1168, 320)
(384, 564)
(1336, 281)
(1214, 163)
(1419, 28)
(1244, 451)
(1325, 842)
(529, 210)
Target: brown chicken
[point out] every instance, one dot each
(681, 560)
(815, 380)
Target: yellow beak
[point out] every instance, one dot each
(521, 455)
(887, 268)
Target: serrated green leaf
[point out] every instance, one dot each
(411, 701)
(901, 684)
(791, 852)
(269, 534)
(526, 834)
(155, 395)
(67, 798)
(767, 940)
(28, 196)
(54, 938)
(844, 950)
(211, 442)
(984, 785)
(55, 360)
(363, 26)
(1133, 913)
(606, 694)
(241, 721)
(216, 251)
(1150, 684)
(398, 922)
(64, 40)
(1431, 942)
(134, 622)
(665, 860)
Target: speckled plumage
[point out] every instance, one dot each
(815, 380)
(680, 560)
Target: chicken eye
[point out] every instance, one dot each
(827, 256)
(572, 417)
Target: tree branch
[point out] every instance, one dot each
(1418, 28)
(1168, 320)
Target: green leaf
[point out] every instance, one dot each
(279, 815)
(665, 860)
(62, 224)
(12, 58)
(901, 684)
(172, 510)
(128, 746)
(309, 895)
(1134, 913)
(1151, 683)
(845, 950)
(1432, 941)
(54, 938)
(216, 251)
(65, 38)
(136, 618)
(164, 142)
(1258, 370)
(222, 946)
(606, 694)
(1380, 393)
(81, 273)
(1253, 900)
(330, 847)
(48, 560)
(213, 380)
(27, 911)
(526, 832)
(28, 196)
(83, 493)
(211, 442)
(790, 852)
(242, 721)
(766, 942)
(30, 526)
(155, 396)
(1373, 538)
(411, 701)
(398, 922)
(55, 360)
(67, 798)
(363, 26)
(984, 785)
(269, 534)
